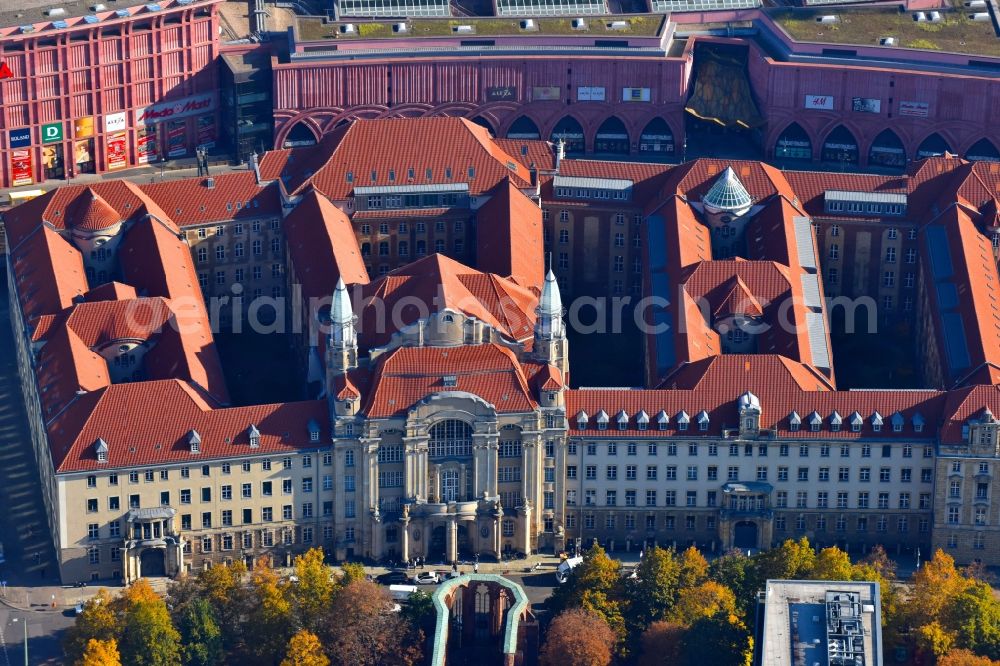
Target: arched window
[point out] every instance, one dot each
(524, 128)
(657, 137)
(449, 485)
(887, 150)
(612, 137)
(450, 439)
(299, 135)
(932, 146)
(793, 144)
(570, 131)
(840, 147)
(482, 122)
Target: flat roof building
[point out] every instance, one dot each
(819, 623)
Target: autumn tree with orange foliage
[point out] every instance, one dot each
(578, 638)
(361, 630)
(965, 658)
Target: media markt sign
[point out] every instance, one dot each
(52, 133)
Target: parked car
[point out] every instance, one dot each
(394, 578)
(427, 578)
(78, 609)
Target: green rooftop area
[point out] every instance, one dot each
(314, 29)
(956, 31)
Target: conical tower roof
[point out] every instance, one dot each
(341, 311)
(550, 302)
(728, 193)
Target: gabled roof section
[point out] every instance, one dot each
(389, 148)
(232, 196)
(437, 283)
(322, 246)
(509, 236)
(48, 273)
(738, 302)
(408, 375)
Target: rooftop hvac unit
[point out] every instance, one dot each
(464, 29)
(618, 25)
(920, 17)
(934, 17)
(981, 17)
(887, 41)
(98, 8)
(56, 11)
(581, 24)
(976, 4)
(347, 29)
(400, 27)
(527, 24)
(827, 19)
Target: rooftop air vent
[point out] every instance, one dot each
(400, 28)
(618, 25)
(827, 19)
(56, 11)
(347, 29)
(887, 41)
(528, 24)
(98, 8)
(919, 17)
(464, 29)
(210, 183)
(579, 24)
(934, 17)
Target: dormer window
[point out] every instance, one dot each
(602, 420)
(877, 422)
(101, 448)
(918, 422)
(450, 381)
(254, 436)
(682, 425)
(622, 425)
(815, 421)
(581, 420)
(876, 427)
(641, 425)
(622, 420)
(794, 421)
(897, 422)
(602, 425)
(702, 419)
(552, 396)
(682, 421)
(194, 441)
(313, 431)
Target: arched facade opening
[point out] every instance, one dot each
(887, 151)
(450, 439)
(983, 151)
(657, 138)
(571, 132)
(299, 135)
(793, 144)
(932, 146)
(840, 147)
(612, 137)
(449, 451)
(482, 122)
(524, 128)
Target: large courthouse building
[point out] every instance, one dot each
(441, 419)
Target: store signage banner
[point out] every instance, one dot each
(590, 94)
(20, 138)
(543, 93)
(52, 133)
(20, 161)
(914, 109)
(866, 105)
(115, 122)
(117, 151)
(819, 102)
(83, 127)
(145, 145)
(498, 93)
(179, 109)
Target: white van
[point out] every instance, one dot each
(402, 592)
(562, 573)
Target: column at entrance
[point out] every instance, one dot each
(451, 541)
(404, 538)
(526, 527)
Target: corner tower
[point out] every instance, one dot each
(550, 345)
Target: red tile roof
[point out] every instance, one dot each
(509, 237)
(91, 213)
(964, 404)
(532, 153)
(138, 430)
(111, 291)
(233, 196)
(322, 247)
(408, 375)
(435, 283)
(49, 273)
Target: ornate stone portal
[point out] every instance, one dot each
(152, 546)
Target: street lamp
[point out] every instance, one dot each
(24, 622)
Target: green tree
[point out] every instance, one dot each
(703, 601)
(271, 617)
(723, 637)
(98, 621)
(353, 571)
(578, 638)
(974, 616)
(304, 649)
(651, 594)
(933, 639)
(792, 560)
(597, 573)
(833, 564)
(313, 591)
(225, 588)
(739, 573)
(201, 637)
(419, 611)
(149, 637)
(100, 653)
(694, 568)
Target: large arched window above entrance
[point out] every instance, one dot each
(524, 128)
(299, 135)
(983, 151)
(612, 137)
(793, 144)
(887, 150)
(932, 146)
(569, 130)
(450, 439)
(840, 147)
(657, 137)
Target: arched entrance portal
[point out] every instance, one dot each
(745, 534)
(437, 545)
(612, 137)
(657, 137)
(152, 563)
(887, 150)
(793, 144)
(840, 147)
(570, 131)
(299, 135)
(932, 146)
(524, 128)
(983, 151)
